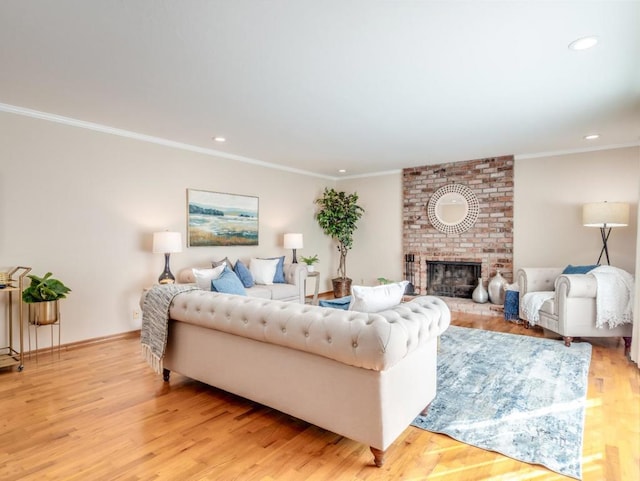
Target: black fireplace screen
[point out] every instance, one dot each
(452, 279)
(409, 273)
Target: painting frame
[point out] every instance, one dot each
(222, 219)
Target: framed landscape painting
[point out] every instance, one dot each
(217, 219)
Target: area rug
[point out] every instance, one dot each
(520, 396)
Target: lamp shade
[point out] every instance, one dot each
(605, 214)
(167, 242)
(293, 241)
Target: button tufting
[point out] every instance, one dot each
(306, 334)
(284, 330)
(355, 344)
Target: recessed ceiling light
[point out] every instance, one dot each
(583, 43)
(219, 139)
(592, 137)
(342, 171)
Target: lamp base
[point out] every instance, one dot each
(604, 233)
(295, 259)
(166, 277)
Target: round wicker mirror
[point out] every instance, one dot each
(453, 209)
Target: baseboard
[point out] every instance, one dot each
(88, 342)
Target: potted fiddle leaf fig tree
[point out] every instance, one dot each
(338, 216)
(43, 295)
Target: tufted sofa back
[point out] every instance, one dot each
(372, 341)
(293, 274)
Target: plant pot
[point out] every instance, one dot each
(44, 313)
(341, 287)
(311, 268)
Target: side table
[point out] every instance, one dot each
(316, 275)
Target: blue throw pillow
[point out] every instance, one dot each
(341, 303)
(243, 273)
(578, 269)
(279, 277)
(228, 283)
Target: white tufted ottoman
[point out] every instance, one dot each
(363, 376)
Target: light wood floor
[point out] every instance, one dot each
(99, 413)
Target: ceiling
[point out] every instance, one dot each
(363, 85)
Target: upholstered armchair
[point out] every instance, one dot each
(564, 304)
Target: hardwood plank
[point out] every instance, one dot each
(98, 412)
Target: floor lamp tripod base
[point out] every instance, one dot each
(604, 233)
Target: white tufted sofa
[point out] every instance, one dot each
(363, 376)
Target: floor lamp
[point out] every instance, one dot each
(605, 215)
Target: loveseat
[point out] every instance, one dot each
(292, 290)
(565, 304)
(365, 376)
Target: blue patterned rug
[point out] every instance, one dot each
(520, 396)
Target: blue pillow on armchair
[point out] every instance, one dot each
(578, 269)
(228, 283)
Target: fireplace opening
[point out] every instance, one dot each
(452, 279)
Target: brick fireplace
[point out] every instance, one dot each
(488, 243)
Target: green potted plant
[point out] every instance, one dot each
(384, 280)
(338, 217)
(43, 295)
(310, 261)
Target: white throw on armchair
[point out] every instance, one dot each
(564, 304)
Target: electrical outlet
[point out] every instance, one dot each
(136, 314)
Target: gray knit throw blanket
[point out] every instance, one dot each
(155, 321)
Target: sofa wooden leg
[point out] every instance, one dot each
(378, 456)
(425, 410)
(165, 375)
(627, 345)
(567, 340)
(526, 324)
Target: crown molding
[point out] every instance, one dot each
(36, 114)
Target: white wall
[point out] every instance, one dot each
(548, 197)
(635, 338)
(377, 243)
(84, 205)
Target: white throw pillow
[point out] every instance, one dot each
(376, 298)
(205, 276)
(263, 270)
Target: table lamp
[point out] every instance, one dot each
(166, 243)
(293, 241)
